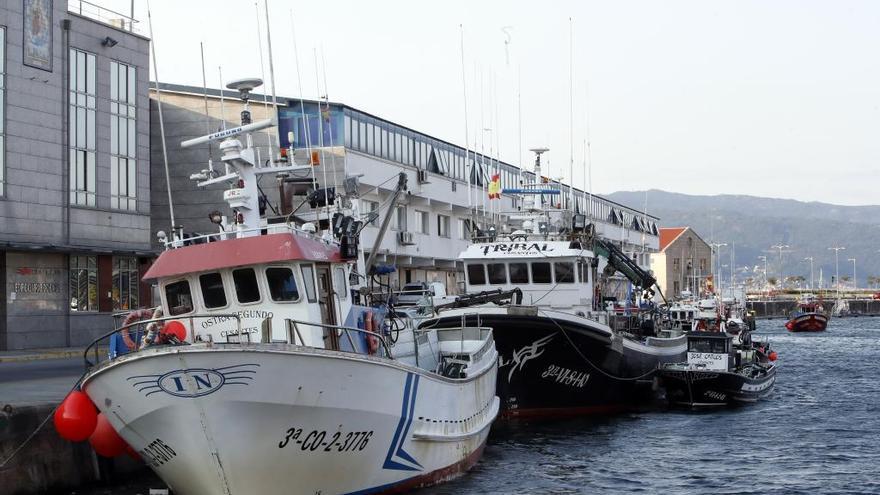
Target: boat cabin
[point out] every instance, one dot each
(557, 274)
(710, 351)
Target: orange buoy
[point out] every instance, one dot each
(175, 328)
(76, 417)
(105, 440)
(773, 356)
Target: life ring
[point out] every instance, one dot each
(130, 318)
(372, 339)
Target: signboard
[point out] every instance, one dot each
(708, 360)
(35, 283)
(37, 34)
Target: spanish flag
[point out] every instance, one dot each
(495, 187)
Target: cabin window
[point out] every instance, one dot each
(246, 288)
(541, 273)
(497, 273)
(339, 282)
(212, 290)
(476, 274)
(519, 273)
(583, 272)
(308, 272)
(179, 298)
(564, 273)
(282, 284)
(716, 346)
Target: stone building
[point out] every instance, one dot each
(683, 262)
(74, 171)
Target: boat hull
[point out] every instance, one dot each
(710, 388)
(568, 366)
(807, 322)
(293, 419)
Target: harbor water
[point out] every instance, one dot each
(818, 432)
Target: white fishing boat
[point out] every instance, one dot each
(258, 373)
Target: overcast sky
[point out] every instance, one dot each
(767, 98)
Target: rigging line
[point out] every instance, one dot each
(161, 123)
(302, 105)
(274, 117)
(321, 143)
(42, 424)
(587, 360)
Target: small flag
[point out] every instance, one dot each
(495, 187)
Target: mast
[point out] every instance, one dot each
(467, 165)
(271, 72)
(570, 115)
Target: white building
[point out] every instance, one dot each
(430, 228)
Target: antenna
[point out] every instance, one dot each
(262, 68)
(161, 123)
(222, 98)
(271, 72)
(207, 114)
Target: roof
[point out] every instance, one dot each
(669, 234)
(261, 249)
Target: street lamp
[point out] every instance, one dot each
(837, 250)
(810, 258)
(780, 247)
(855, 280)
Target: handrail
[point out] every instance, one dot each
(346, 329)
(94, 343)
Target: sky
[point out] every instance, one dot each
(766, 98)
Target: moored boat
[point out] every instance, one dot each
(264, 375)
(810, 316)
(719, 371)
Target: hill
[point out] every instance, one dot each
(755, 223)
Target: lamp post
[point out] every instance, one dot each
(837, 250)
(855, 280)
(780, 247)
(810, 258)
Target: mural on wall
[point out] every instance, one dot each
(38, 34)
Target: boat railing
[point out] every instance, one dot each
(357, 346)
(140, 330)
(465, 333)
(188, 239)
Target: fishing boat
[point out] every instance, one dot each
(259, 373)
(720, 370)
(809, 316)
(537, 281)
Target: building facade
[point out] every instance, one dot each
(74, 172)
(432, 224)
(683, 263)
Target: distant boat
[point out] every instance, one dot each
(810, 316)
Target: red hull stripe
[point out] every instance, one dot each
(272, 248)
(432, 478)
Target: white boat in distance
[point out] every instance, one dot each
(280, 382)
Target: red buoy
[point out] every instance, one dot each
(76, 417)
(773, 356)
(105, 440)
(176, 329)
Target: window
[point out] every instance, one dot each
(246, 288)
(401, 218)
(564, 272)
(123, 137)
(464, 228)
(282, 284)
(369, 207)
(213, 292)
(2, 111)
(125, 283)
(519, 273)
(339, 283)
(583, 272)
(83, 283)
(541, 273)
(676, 264)
(443, 225)
(179, 298)
(422, 222)
(476, 274)
(702, 264)
(497, 273)
(82, 128)
(676, 288)
(308, 272)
